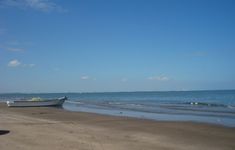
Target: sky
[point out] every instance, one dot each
(116, 45)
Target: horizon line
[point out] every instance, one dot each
(119, 91)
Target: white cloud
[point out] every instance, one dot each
(88, 78)
(14, 63)
(159, 78)
(17, 63)
(85, 77)
(40, 5)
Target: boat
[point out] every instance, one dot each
(37, 102)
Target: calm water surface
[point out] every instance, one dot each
(216, 107)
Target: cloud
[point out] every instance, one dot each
(159, 78)
(12, 49)
(18, 43)
(17, 63)
(40, 5)
(15, 46)
(14, 63)
(85, 77)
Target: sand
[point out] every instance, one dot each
(58, 129)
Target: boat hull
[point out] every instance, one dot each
(42, 103)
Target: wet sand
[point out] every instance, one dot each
(58, 129)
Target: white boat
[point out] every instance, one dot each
(37, 102)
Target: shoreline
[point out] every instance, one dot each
(47, 128)
(159, 117)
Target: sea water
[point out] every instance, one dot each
(215, 107)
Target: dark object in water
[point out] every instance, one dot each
(2, 132)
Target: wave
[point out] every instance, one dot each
(206, 104)
(74, 102)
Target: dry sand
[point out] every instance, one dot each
(58, 129)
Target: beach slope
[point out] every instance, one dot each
(58, 129)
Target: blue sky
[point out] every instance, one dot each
(116, 45)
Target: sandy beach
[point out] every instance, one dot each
(58, 129)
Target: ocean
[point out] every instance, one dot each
(214, 107)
